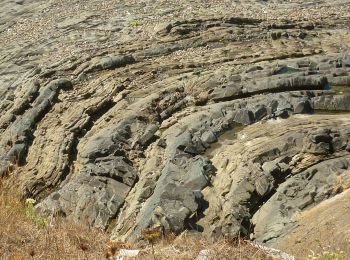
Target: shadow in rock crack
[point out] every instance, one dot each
(225, 138)
(94, 115)
(192, 222)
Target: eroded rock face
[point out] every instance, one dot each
(180, 115)
(273, 172)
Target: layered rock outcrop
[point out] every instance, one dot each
(225, 117)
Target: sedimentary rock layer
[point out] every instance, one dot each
(223, 117)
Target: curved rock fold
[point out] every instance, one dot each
(184, 116)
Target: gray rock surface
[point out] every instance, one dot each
(224, 117)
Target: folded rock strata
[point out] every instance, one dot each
(227, 118)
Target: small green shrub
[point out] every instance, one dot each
(328, 255)
(31, 214)
(339, 255)
(136, 23)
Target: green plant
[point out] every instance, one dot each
(328, 255)
(136, 23)
(31, 214)
(338, 255)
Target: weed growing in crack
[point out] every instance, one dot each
(32, 214)
(136, 23)
(328, 255)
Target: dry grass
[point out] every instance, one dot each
(23, 238)
(189, 246)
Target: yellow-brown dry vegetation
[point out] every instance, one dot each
(23, 238)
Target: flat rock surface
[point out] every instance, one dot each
(327, 223)
(222, 117)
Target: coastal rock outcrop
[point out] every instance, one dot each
(223, 117)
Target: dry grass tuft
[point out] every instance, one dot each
(22, 238)
(189, 246)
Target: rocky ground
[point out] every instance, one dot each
(221, 117)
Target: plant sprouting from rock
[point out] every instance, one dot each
(32, 214)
